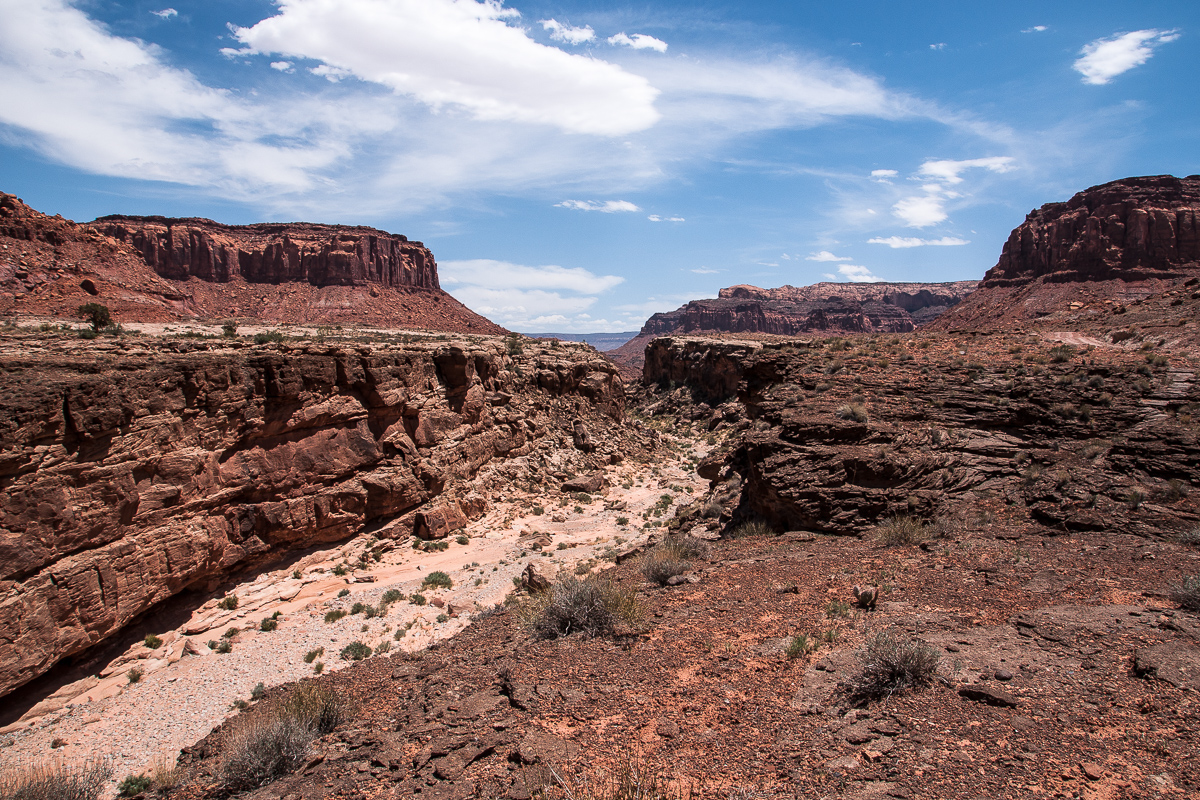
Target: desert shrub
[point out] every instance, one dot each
(313, 655)
(355, 651)
(417, 599)
(751, 528)
(317, 707)
(57, 781)
(592, 606)
(1191, 537)
(622, 521)
(853, 411)
(335, 615)
(659, 566)
(261, 749)
(1061, 353)
(228, 603)
(462, 539)
(229, 330)
(392, 596)
(1187, 593)
(340, 570)
(268, 624)
(135, 675)
(224, 646)
(152, 641)
(344, 593)
(890, 663)
(134, 784)
(901, 530)
(837, 609)
(443, 618)
(319, 667)
(268, 338)
(799, 646)
(1176, 489)
(230, 633)
(96, 315)
(437, 579)
(358, 608)
(258, 692)
(1134, 499)
(514, 345)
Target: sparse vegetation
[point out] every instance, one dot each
(228, 603)
(901, 530)
(853, 411)
(437, 580)
(593, 606)
(268, 624)
(152, 641)
(258, 692)
(132, 785)
(417, 599)
(837, 609)
(391, 596)
(135, 675)
(800, 645)
(54, 781)
(96, 315)
(355, 651)
(891, 663)
(313, 655)
(270, 337)
(335, 615)
(462, 539)
(751, 528)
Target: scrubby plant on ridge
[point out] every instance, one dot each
(54, 781)
(593, 606)
(890, 663)
(901, 530)
(670, 557)
(437, 579)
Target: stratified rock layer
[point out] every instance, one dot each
(134, 471)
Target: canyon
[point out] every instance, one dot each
(1009, 469)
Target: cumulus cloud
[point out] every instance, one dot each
(565, 33)
(282, 66)
(526, 297)
(458, 53)
(948, 171)
(657, 218)
(825, 255)
(166, 13)
(920, 211)
(1035, 29)
(900, 242)
(884, 173)
(1103, 59)
(638, 41)
(603, 206)
(857, 274)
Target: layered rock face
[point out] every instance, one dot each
(833, 440)
(1132, 229)
(134, 471)
(322, 255)
(789, 310)
(1118, 257)
(154, 269)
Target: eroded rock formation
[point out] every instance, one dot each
(137, 470)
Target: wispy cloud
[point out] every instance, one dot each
(1104, 59)
(1035, 29)
(638, 41)
(938, 46)
(526, 297)
(705, 271)
(565, 33)
(603, 206)
(825, 255)
(657, 218)
(949, 171)
(166, 13)
(900, 242)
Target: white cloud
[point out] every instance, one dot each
(884, 173)
(829, 275)
(825, 255)
(857, 274)
(920, 212)
(166, 13)
(948, 171)
(604, 207)
(492, 274)
(706, 271)
(282, 66)
(1035, 29)
(657, 218)
(938, 46)
(1104, 59)
(458, 53)
(899, 242)
(638, 41)
(565, 33)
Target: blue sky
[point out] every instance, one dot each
(579, 166)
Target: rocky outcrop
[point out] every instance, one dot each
(1131, 229)
(835, 440)
(923, 302)
(134, 471)
(154, 269)
(322, 255)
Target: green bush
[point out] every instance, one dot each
(462, 539)
(890, 663)
(135, 675)
(358, 608)
(152, 641)
(751, 528)
(230, 633)
(417, 599)
(442, 618)
(229, 330)
(344, 593)
(335, 615)
(340, 570)
(799, 646)
(392, 596)
(228, 603)
(268, 624)
(268, 338)
(258, 692)
(96, 315)
(901, 530)
(437, 579)
(224, 646)
(134, 785)
(355, 651)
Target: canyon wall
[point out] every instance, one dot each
(322, 255)
(135, 470)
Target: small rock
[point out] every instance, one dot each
(1092, 771)
(667, 729)
(986, 694)
(1004, 675)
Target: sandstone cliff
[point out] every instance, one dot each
(1123, 254)
(154, 269)
(137, 470)
(791, 310)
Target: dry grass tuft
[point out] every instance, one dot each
(55, 781)
(890, 663)
(901, 530)
(670, 557)
(594, 606)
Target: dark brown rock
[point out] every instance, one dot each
(987, 694)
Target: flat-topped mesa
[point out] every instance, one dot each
(321, 255)
(789, 310)
(1131, 229)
